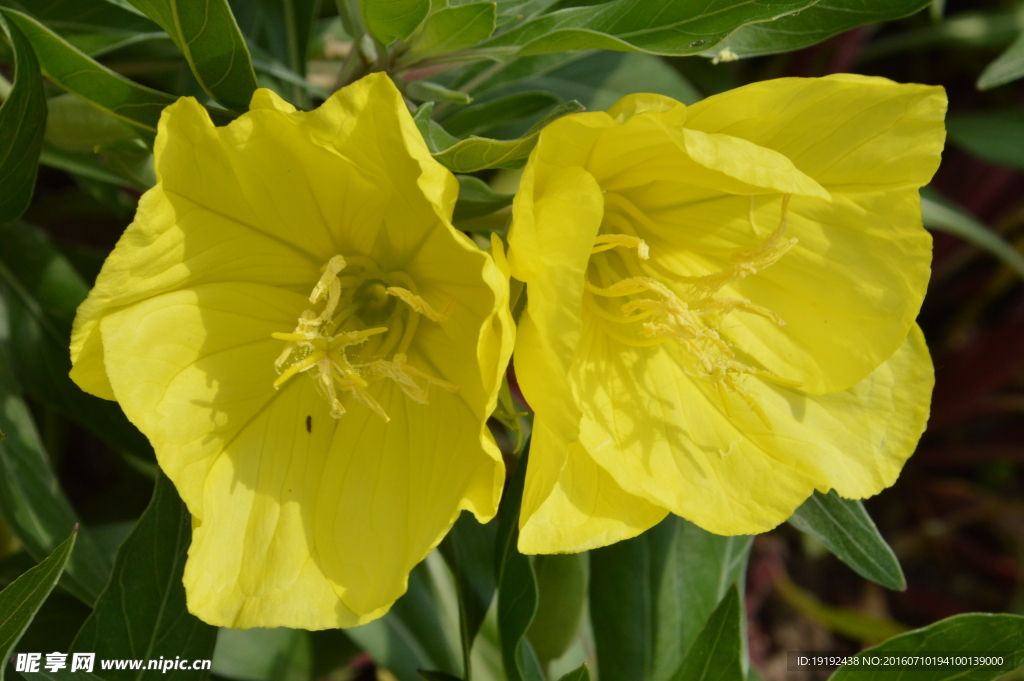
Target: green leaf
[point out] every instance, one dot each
(41, 291)
(491, 114)
(22, 123)
(1008, 66)
(69, 16)
(72, 124)
(938, 213)
(580, 674)
(31, 500)
(263, 654)
(716, 655)
(75, 72)
(452, 29)
(995, 135)
(978, 634)
(479, 153)
(847, 530)
(562, 584)
(978, 30)
(851, 623)
(82, 165)
(20, 601)
(517, 586)
(412, 635)
(476, 199)
(469, 551)
(388, 20)
(142, 614)
(436, 137)
(666, 27)
(438, 676)
(651, 596)
(424, 90)
(208, 36)
(813, 25)
(698, 569)
(281, 27)
(623, 589)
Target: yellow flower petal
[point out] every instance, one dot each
(851, 133)
(828, 342)
(748, 307)
(668, 437)
(312, 501)
(549, 329)
(578, 507)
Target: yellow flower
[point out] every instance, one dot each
(721, 305)
(312, 349)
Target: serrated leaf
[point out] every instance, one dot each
(981, 634)
(517, 586)
(142, 615)
(938, 213)
(208, 36)
(21, 600)
(813, 25)
(847, 530)
(469, 551)
(716, 655)
(479, 153)
(452, 29)
(22, 125)
(75, 72)
(665, 27)
(388, 20)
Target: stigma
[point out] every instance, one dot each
(362, 335)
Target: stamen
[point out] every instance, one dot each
(664, 314)
(317, 344)
(606, 242)
(421, 306)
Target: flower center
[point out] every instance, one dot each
(370, 313)
(641, 303)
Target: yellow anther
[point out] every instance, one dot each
(664, 313)
(421, 306)
(606, 242)
(303, 365)
(328, 286)
(319, 345)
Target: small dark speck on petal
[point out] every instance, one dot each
(309, 424)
